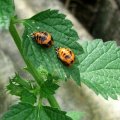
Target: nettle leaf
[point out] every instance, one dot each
(100, 67)
(20, 87)
(75, 115)
(48, 88)
(6, 12)
(24, 111)
(63, 36)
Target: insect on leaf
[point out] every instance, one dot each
(63, 35)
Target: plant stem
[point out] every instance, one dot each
(17, 41)
(53, 102)
(30, 67)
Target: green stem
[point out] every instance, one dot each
(30, 67)
(53, 102)
(15, 36)
(17, 41)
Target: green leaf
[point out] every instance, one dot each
(28, 112)
(75, 115)
(48, 88)
(43, 73)
(6, 12)
(100, 67)
(20, 87)
(63, 36)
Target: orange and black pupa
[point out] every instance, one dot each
(43, 38)
(66, 55)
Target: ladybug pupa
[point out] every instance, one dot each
(43, 38)
(66, 55)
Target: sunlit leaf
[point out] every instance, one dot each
(100, 67)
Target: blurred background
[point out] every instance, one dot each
(92, 19)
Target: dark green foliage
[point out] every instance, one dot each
(63, 36)
(24, 111)
(22, 88)
(48, 88)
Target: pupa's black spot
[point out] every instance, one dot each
(72, 61)
(71, 52)
(42, 38)
(67, 56)
(45, 33)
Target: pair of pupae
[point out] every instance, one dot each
(46, 40)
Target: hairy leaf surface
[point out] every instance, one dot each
(100, 67)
